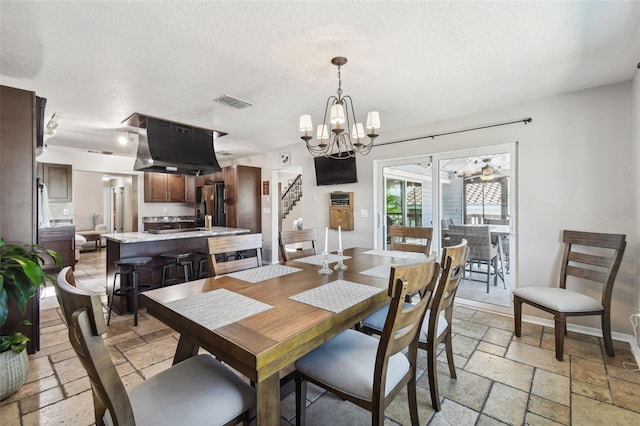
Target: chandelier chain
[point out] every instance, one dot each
(339, 92)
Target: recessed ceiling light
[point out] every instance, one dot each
(123, 140)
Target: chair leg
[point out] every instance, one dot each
(301, 400)
(561, 324)
(517, 315)
(606, 333)
(432, 372)
(413, 402)
(448, 345)
(113, 289)
(135, 297)
(488, 275)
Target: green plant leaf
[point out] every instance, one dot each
(4, 306)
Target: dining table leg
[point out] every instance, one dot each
(268, 400)
(185, 350)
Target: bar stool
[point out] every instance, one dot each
(130, 265)
(203, 263)
(176, 260)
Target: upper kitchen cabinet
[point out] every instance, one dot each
(58, 177)
(243, 197)
(189, 189)
(164, 188)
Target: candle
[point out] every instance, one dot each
(326, 239)
(339, 237)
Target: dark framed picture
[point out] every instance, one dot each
(285, 158)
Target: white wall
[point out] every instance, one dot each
(575, 171)
(635, 141)
(87, 194)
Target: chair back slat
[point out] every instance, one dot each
(401, 237)
(250, 246)
(576, 243)
(402, 326)
(308, 236)
(590, 259)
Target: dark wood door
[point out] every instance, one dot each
(190, 189)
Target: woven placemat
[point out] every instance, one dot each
(381, 271)
(317, 259)
(215, 309)
(337, 296)
(263, 273)
(395, 253)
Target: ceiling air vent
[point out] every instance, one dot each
(233, 102)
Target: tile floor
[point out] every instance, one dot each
(501, 379)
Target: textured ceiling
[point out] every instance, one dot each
(415, 62)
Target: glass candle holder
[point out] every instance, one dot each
(325, 270)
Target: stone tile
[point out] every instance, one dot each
(502, 370)
(552, 386)
(398, 410)
(531, 419)
(157, 335)
(485, 420)
(458, 360)
(550, 410)
(469, 329)
(624, 373)
(77, 411)
(537, 357)
(53, 328)
(54, 338)
(623, 355)
(124, 369)
(463, 346)
(10, 415)
(528, 340)
(132, 379)
(156, 368)
(625, 394)
(506, 404)
(61, 356)
(331, 410)
(130, 344)
(462, 312)
(588, 371)
(77, 386)
(585, 411)
(148, 325)
(38, 369)
(32, 388)
(47, 315)
(468, 389)
(497, 336)
(116, 329)
(69, 370)
(590, 390)
(574, 347)
(45, 352)
(492, 349)
(42, 399)
(453, 413)
(152, 353)
(116, 355)
(119, 338)
(491, 319)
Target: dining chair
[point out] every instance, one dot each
(436, 327)
(410, 238)
(505, 240)
(199, 390)
(307, 238)
(368, 371)
(482, 251)
(233, 253)
(586, 256)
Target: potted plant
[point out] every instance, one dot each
(21, 276)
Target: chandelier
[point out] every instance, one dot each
(333, 138)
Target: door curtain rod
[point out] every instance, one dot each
(525, 121)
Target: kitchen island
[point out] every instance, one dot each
(153, 244)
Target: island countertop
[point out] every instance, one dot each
(141, 237)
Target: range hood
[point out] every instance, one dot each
(169, 147)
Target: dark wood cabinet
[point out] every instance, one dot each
(190, 189)
(164, 188)
(341, 210)
(18, 189)
(242, 185)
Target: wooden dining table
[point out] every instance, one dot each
(216, 314)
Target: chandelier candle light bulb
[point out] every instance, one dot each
(334, 140)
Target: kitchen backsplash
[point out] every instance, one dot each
(153, 219)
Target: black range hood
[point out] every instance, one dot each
(169, 147)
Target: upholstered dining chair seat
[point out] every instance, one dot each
(376, 321)
(178, 394)
(355, 353)
(559, 299)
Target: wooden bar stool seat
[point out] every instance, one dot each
(130, 266)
